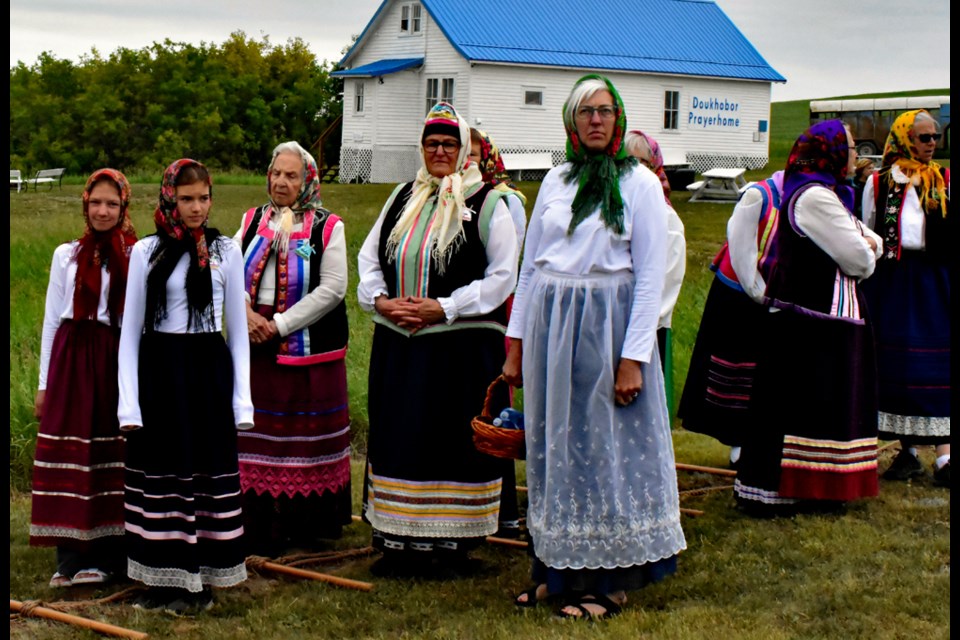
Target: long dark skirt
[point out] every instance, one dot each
(425, 478)
(909, 302)
(719, 387)
(813, 435)
(184, 520)
(78, 466)
(295, 462)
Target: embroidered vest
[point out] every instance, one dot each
(412, 271)
(326, 339)
(766, 226)
(888, 198)
(804, 279)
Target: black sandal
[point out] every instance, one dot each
(610, 607)
(532, 599)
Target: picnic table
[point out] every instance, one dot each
(719, 185)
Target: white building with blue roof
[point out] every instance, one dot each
(686, 74)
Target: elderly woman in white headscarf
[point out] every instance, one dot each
(295, 464)
(436, 268)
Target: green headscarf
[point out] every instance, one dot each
(597, 174)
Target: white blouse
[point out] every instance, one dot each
(228, 304)
(595, 250)
(59, 304)
(742, 243)
(324, 297)
(519, 216)
(476, 298)
(823, 218)
(676, 267)
(912, 221)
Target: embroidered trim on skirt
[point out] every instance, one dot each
(425, 478)
(719, 386)
(78, 465)
(602, 484)
(910, 307)
(813, 434)
(184, 519)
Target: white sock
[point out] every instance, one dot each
(913, 452)
(734, 454)
(942, 460)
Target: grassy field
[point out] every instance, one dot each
(880, 570)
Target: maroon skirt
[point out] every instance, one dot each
(79, 461)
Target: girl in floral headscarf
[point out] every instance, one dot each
(583, 345)
(295, 464)
(184, 392)
(908, 204)
(78, 469)
(436, 268)
(797, 451)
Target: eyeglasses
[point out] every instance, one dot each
(607, 112)
(927, 137)
(433, 146)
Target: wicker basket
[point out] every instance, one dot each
(497, 441)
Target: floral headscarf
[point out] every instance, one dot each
(927, 176)
(597, 174)
(175, 240)
(492, 169)
(447, 229)
(307, 200)
(655, 163)
(820, 155)
(110, 248)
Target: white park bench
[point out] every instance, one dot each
(47, 176)
(16, 179)
(520, 162)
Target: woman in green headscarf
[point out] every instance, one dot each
(603, 512)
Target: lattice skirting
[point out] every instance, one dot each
(701, 162)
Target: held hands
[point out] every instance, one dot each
(629, 382)
(261, 330)
(411, 313)
(513, 365)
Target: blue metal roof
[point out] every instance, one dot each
(379, 68)
(682, 37)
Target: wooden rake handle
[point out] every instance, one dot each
(86, 623)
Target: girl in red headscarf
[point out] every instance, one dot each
(78, 467)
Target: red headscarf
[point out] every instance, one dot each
(97, 248)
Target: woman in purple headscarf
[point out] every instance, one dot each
(812, 436)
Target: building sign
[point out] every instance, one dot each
(713, 113)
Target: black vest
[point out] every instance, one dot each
(939, 229)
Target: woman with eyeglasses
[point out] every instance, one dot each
(811, 438)
(908, 204)
(436, 270)
(603, 508)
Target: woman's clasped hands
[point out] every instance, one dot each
(411, 312)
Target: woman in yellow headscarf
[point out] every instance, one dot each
(908, 204)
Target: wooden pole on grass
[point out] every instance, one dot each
(32, 610)
(259, 563)
(715, 471)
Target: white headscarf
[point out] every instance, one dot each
(446, 232)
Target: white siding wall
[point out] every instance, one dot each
(497, 101)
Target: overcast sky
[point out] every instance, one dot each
(822, 47)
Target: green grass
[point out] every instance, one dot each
(882, 570)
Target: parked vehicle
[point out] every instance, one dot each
(870, 118)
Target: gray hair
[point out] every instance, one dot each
(580, 92)
(638, 147)
(294, 147)
(924, 116)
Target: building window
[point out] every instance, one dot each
(532, 97)
(410, 18)
(358, 102)
(439, 90)
(671, 110)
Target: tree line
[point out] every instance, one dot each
(138, 110)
